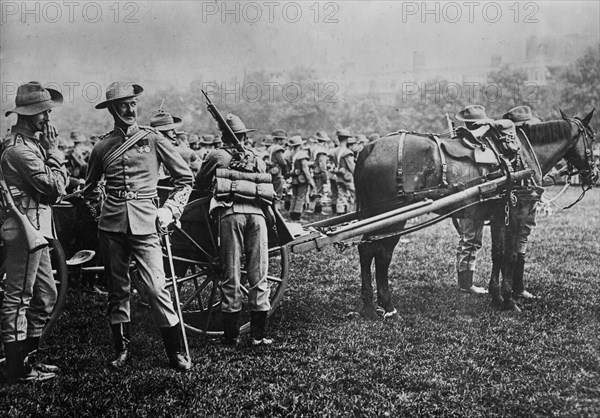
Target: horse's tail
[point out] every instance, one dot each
(359, 178)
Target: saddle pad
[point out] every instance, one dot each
(457, 149)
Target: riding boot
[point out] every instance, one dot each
(32, 345)
(16, 369)
(465, 279)
(517, 285)
(177, 359)
(231, 329)
(121, 338)
(258, 324)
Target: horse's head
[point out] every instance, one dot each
(580, 156)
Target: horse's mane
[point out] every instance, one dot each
(548, 132)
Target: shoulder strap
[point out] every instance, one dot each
(110, 158)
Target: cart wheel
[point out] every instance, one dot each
(59, 268)
(200, 292)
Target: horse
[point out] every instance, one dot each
(403, 167)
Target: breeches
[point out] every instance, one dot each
(30, 293)
(117, 250)
(244, 235)
(299, 193)
(471, 236)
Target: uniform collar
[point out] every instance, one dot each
(24, 130)
(130, 129)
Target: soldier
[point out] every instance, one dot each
(193, 143)
(32, 166)
(167, 125)
(344, 170)
(243, 232)
(279, 168)
(320, 169)
(207, 144)
(526, 204)
(360, 144)
(470, 230)
(129, 158)
(302, 180)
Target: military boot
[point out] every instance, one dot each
(16, 369)
(121, 338)
(231, 329)
(258, 324)
(518, 286)
(465, 283)
(32, 345)
(177, 359)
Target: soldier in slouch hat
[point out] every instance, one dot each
(33, 168)
(129, 158)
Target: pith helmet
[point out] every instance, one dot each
(520, 115)
(120, 90)
(163, 121)
(236, 124)
(472, 113)
(32, 99)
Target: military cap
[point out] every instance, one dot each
(163, 121)
(295, 141)
(472, 113)
(520, 115)
(32, 99)
(193, 139)
(322, 136)
(352, 140)
(343, 133)
(120, 90)
(207, 140)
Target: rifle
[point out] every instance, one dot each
(17, 222)
(223, 126)
(451, 127)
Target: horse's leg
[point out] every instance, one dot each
(496, 229)
(366, 252)
(383, 258)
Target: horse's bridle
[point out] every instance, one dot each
(587, 174)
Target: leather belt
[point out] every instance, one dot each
(131, 195)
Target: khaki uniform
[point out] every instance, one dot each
(36, 179)
(320, 175)
(302, 180)
(127, 225)
(344, 170)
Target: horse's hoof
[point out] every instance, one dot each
(510, 305)
(369, 313)
(390, 315)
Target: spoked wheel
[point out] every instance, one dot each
(199, 274)
(59, 269)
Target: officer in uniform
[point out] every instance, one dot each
(32, 166)
(302, 180)
(129, 158)
(278, 167)
(243, 232)
(344, 169)
(527, 202)
(320, 168)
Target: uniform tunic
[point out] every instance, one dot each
(37, 179)
(301, 180)
(127, 225)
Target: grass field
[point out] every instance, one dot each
(448, 354)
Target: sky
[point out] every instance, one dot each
(175, 42)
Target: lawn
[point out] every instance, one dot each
(448, 353)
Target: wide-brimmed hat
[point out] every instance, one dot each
(207, 140)
(78, 137)
(193, 139)
(279, 134)
(163, 121)
(343, 133)
(322, 136)
(295, 141)
(360, 138)
(352, 140)
(64, 142)
(32, 98)
(472, 113)
(120, 90)
(236, 124)
(520, 115)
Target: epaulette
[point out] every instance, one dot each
(149, 128)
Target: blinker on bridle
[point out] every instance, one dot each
(587, 174)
